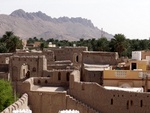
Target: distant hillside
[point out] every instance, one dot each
(38, 24)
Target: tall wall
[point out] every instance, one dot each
(109, 101)
(22, 103)
(22, 64)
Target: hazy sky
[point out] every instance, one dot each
(129, 17)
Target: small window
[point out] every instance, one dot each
(111, 101)
(67, 76)
(46, 82)
(128, 104)
(39, 82)
(141, 103)
(131, 103)
(59, 76)
(82, 87)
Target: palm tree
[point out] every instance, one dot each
(118, 43)
(12, 42)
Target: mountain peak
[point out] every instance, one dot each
(18, 12)
(22, 14)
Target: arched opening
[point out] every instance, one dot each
(59, 76)
(28, 74)
(77, 58)
(67, 76)
(24, 72)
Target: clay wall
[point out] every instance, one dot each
(109, 101)
(93, 76)
(22, 103)
(102, 58)
(47, 102)
(74, 54)
(35, 65)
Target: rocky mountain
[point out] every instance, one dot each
(39, 25)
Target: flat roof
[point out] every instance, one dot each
(95, 69)
(50, 89)
(129, 89)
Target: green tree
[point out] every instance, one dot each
(11, 41)
(6, 94)
(3, 48)
(43, 45)
(102, 44)
(118, 43)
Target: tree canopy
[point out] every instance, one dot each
(6, 94)
(9, 42)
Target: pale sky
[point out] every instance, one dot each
(129, 17)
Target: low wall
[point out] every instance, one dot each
(109, 101)
(22, 103)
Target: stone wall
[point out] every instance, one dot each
(22, 103)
